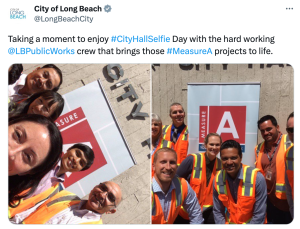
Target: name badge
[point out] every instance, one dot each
(269, 175)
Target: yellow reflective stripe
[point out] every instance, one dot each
(217, 179)
(66, 201)
(284, 141)
(224, 182)
(225, 189)
(184, 134)
(166, 130)
(181, 191)
(201, 166)
(281, 185)
(196, 160)
(247, 221)
(183, 209)
(152, 199)
(244, 178)
(252, 181)
(169, 144)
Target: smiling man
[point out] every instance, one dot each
(169, 192)
(177, 132)
(289, 163)
(66, 208)
(270, 159)
(48, 77)
(239, 191)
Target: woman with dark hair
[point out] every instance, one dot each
(47, 103)
(34, 148)
(14, 73)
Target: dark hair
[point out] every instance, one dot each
(18, 184)
(266, 118)
(164, 149)
(290, 116)
(14, 73)
(88, 153)
(58, 72)
(51, 96)
(231, 144)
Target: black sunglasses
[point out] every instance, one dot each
(290, 130)
(110, 196)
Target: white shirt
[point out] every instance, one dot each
(13, 89)
(49, 180)
(75, 215)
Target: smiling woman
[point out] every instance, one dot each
(48, 103)
(34, 148)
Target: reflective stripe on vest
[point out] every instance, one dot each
(280, 163)
(165, 130)
(258, 149)
(290, 159)
(63, 199)
(178, 194)
(247, 186)
(184, 137)
(221, 182)
(287, 142)
(248, 176)
(33, 201)
(178, 191)
(51, 207)
(153, 206)
(198, 165)
(165, 143)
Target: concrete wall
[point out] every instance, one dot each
(135, 182)
(169, 84)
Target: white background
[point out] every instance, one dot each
(180, 18)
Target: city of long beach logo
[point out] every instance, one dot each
(16, 13)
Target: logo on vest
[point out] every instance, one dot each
(227, 121)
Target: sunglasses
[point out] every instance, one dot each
(110, 195)
(290, 130)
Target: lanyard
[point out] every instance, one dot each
(270, 159)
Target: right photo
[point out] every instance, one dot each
(222, 144)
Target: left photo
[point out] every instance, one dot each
(78, 143)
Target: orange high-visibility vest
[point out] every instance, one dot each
(32, 201)
(179, 194)
(51, 207)
(198, 182)
(161, 144)
(289, 162)
(182, 143)
(242, 211)
(280, 164)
